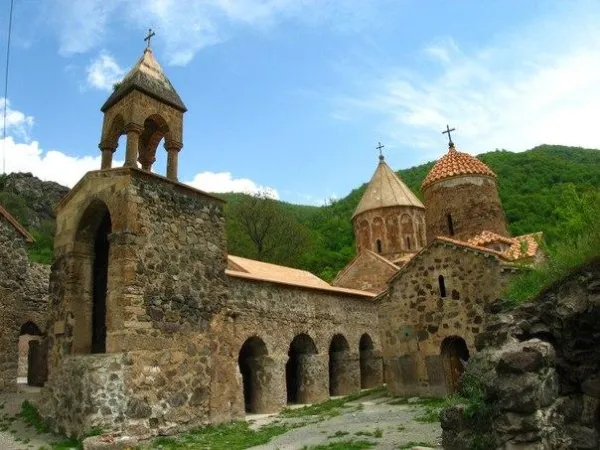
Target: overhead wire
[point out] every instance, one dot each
(10, 17)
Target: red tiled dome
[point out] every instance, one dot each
(455, 163)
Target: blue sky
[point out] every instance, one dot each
(293, 95)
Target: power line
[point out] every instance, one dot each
(10, 16)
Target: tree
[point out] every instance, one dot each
(260, 227)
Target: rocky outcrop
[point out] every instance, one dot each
(40, 196)
(538, 371)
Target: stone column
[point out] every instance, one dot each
(133, 141)
(173, 149)
(107, 155)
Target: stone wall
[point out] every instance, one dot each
(399, 229)
(23, 299)
(416, 320)
(278, 314)
(367, 272)
(471, 201)
(539, 369)
(166, 288)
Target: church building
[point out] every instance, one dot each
(149, 327)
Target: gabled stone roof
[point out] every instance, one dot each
(386, 189)
(455, 163)
(16, 225)
(148, 77)
(251, 269)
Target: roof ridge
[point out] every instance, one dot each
(16, 225)
(385, 189)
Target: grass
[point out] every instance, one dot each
(434, 406)
(377, 433)
(31, 416)
(233, 436)
(580, 245)
(337, 434)
(331, 407)
(345, 445)
(412, 444)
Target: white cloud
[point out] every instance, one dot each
(186, 26)
(17, 123)
(103, 72)
(52, 165)
(536, 85)
(224, 182)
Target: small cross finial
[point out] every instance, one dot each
(147, 38)
(448, 130)
(379, 147)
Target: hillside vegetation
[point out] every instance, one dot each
(533, 187)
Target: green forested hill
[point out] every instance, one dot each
(532, 185)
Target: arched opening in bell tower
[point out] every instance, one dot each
(91, 279)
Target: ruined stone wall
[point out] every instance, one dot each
(415, 319)
(278, 313)
(538, 369)
(400, 229)
(366, 272)
(23, 298)
(166, 287)
(471, 201)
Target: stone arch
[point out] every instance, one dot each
(377, 230)
(370, 364)
(255, 367)
(455, 355)
(155, 128)
(407, 230)
(340, 376)
(31, 372)
(364, 234)
(300, 369)
(392, 231)
(92, 250)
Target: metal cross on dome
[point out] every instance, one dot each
(147, 38)
(379, 147)
(448, 130)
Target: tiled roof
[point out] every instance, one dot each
(146, 76)
(455, 163)
(524, 246)
(261, 271)
(16, 225)
(386, 189)
(364, 252)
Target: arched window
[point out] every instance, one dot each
(408, 242)
(450, 225)
(442, 286)
(378, 245)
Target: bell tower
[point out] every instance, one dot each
(145, 107)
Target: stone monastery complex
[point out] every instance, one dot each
(145, 325)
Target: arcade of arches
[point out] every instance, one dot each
(348, 371)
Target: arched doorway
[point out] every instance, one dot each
(298, 376)
(339, 378)
(92, 263)
(455, 355)
(31, 369)
(370, 364)
(252, 362)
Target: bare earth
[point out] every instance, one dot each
(370, 417)
(396, 423)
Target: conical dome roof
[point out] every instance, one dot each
(147, 76)
(386, 189)
(455, 163)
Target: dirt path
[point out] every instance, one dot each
(388, 426)
(385, 422)
(14, 433)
